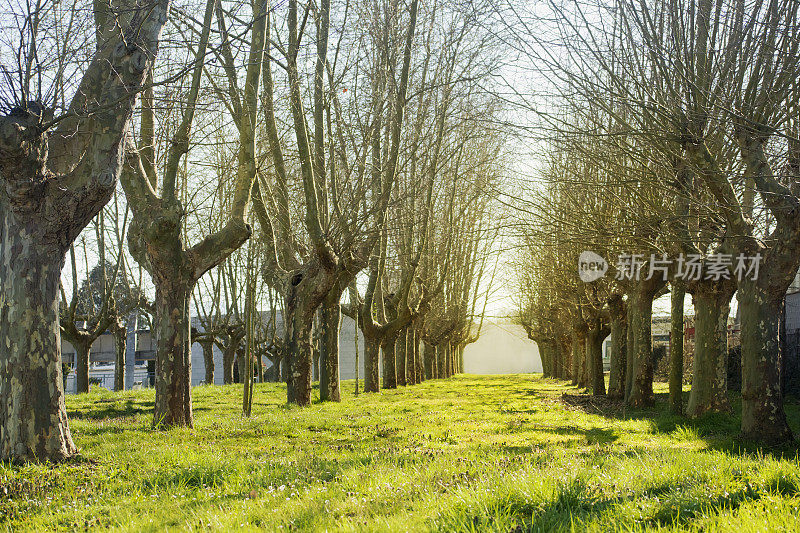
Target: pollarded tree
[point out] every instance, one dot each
(57, 174)
(156, 237)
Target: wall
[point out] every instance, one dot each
(503, 348)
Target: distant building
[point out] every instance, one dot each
(141, 353)
(502, 348)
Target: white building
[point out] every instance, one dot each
(502, 348)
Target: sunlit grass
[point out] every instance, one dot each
(472, 453)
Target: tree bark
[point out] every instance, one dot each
(173, 404)
(763, 417)
(329, 384)
(33, 417)
(594, 346)
(710, 365)
(577, 353)
(629, 352)
(120, 341)
(44, 205)
(676, 349)
(228, 360)
(411, 356)
(430, 361)
(82, 349)
(389, 361)
(207, 345)
(640, 311)
(420, 356)
(299, 350)
(616, 377)
(585, 365)
(401, 352)
(371, 364)
(441, 362)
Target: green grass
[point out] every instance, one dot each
(473, 453)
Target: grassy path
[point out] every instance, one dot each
(505, 453)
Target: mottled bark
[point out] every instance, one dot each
(640, 311)
(677, 297)
(44, 205)
(330, 320)
(173, 404)
(763, 417)
(616, 376)
(710, 365)
(33, 418)
(299, 350)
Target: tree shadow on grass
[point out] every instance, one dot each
(97, 411)
(577, 503)
(719, 431)
(109, 410)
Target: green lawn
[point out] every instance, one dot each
(473, 453)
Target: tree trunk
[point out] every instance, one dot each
(33, 418)
(430, 360)
(630, 319)
(228, 360)
(594, 347)
(616, 376)
(577, 354)
(82, 349)
(560, 358)
(676, 349)
(710, 366)
(640, 309)
(330, 320)
(389, 362)
(411, 356)
(585, 368)
(401, 351)
(207, 345)
(120, 341)
(241, 364)
(173, 405)
(299, 350)
(371, 364)
(763, 417)
(441, 362)
(420, 357)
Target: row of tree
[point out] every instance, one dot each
(675, 140)
(350, 148)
